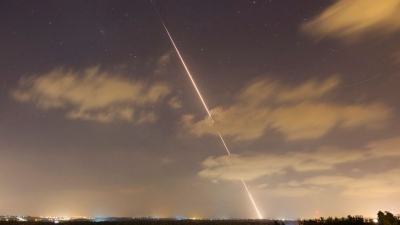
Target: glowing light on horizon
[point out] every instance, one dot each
(204, 103)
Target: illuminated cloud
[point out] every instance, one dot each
(348, 20)
(302, 112)
(235, 167)
(384, 148)
(310, 90)
(370, 185)
(162, 63)
(92, 95)
(375, 185)
(327, 180)
(324, 159)
(312, 120)
(175, 103)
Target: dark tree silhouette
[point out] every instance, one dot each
(387, 218)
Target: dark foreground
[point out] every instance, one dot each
(383, 218)
(153, 222)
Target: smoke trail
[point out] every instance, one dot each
(202, 100)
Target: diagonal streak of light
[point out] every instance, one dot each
(204, 103)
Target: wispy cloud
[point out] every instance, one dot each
(92, 95)
(325, 161)
(370, 185)
(349, 20)
(162, 63)
(302, 112)
(175, 102)
(251, 167)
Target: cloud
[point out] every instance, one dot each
(308, 120)
(175, 103)
(298, 113)
(384, 148)
(235, 167)
(349, 20)
(375, 185)
(324, 159)
(162, 63)
(309, 90)
(328, 180)
(370, 185)
(92, 95)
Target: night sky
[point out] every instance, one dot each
(98, 116)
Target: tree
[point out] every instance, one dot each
(329, 220)
(387, 218)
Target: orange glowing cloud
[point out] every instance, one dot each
(298, 113)
(92, 95)
(349, 20)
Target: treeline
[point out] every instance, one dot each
(384, 218)
(150, 222)
(388, 218)
(350, 220)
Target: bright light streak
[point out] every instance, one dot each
(184, 65)
(223, 142)
(202, 100)
(248, 192)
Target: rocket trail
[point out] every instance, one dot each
(204, 103)
(183, 62)
(251, 198)
(223, 142)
